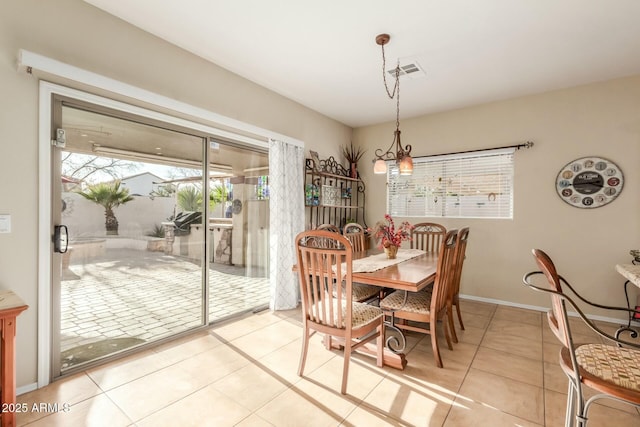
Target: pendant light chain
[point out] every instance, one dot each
(396, 87)
(402, 155)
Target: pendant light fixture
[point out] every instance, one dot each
(402, 155)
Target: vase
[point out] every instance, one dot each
(391, 251)
(353, 170)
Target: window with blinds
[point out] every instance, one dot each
(470, 185)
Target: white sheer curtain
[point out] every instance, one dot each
(286, 219)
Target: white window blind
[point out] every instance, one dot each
(469, 185)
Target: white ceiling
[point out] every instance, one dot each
(323, 54)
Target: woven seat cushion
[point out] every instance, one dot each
(361, 292)
(620, 366)
(361, 314)
(417, 302)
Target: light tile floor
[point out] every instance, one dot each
(504, 372)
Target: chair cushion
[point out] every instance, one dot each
(620, 366)
(417, 302)
(361, 313)
(361, 292)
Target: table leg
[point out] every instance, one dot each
(389, 358)
(627, 328)
(7, 369)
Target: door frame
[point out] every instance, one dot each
(47, 91)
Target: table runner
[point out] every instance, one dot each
(380, 261)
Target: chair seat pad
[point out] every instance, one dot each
(361, 292)
(620, 366)
(417, 302)
(361, 313)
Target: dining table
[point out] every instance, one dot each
(412, 270)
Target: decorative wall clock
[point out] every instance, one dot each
(589, 182)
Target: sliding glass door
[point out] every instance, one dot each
(131, 259)
(239, 228)
(159, 230)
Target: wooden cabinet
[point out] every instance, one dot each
(10, 307)
(332, 196)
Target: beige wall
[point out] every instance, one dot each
(76, 33)
(601, 119)
(596, 120)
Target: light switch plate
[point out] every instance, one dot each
(5, 223)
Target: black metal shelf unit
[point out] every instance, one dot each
(332, 196)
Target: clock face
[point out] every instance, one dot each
(589, 182)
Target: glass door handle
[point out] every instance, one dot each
(60, 239)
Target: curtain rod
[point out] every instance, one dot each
(527, 144)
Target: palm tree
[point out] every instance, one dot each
(190, 199)
(108, 195)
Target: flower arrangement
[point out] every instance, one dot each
(388, 235)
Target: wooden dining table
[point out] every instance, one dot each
(411, 275)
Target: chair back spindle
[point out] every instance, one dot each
(427, 236)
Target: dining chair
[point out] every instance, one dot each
(355, 234)
(328, 227)
(610, 367)
(427, 236)
(324, 261)
(454, 298)
(427, 307)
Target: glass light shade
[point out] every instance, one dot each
(406, 165)
(380, 167)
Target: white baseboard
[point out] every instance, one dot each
(538, 308)
(26, 388)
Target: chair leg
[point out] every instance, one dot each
(452, 327)
(447, 335)
(434, 343)
(380, 345)
(569, 417)
(327, 341)
(303, 354)
(457, 304)
(345, 368)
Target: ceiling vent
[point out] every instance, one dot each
(409, 70)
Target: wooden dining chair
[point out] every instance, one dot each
(609, 368)
(427, 307)
(427, 236)
(355, 233)
(454, 298)
(325, 262)
(328, 227)
(361, 292)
